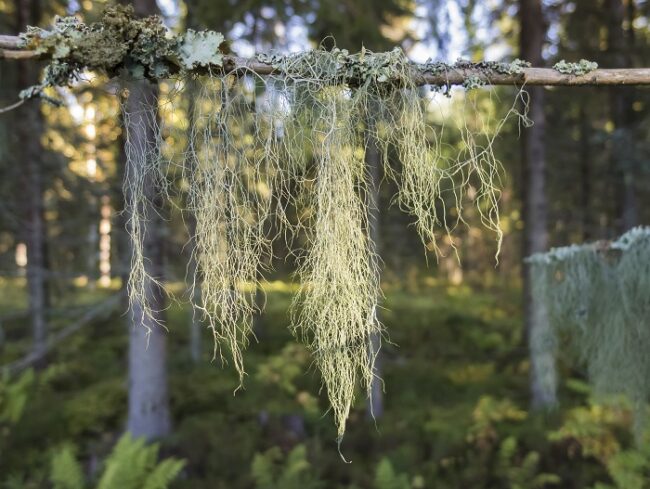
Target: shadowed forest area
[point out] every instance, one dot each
(100, 387)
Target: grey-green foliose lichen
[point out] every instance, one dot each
(391, 68)
(145, 49)
(482, 70)
(582, 67)
(486, 67)
(120, 42)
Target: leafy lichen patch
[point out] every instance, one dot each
(580, 68)
(200, 49)
(340, 67)
(120, 42)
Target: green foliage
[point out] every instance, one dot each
(488, 412)
(387, 478)
(13, 396)
(629, 470)
(449, 422)
(596, 429)
(131, 465)
(65, 471)
(522, 471)
(272, 470)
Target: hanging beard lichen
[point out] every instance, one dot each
(598, 295)
(277, 136)
(298, 139)
(339, 277)
(295, 139)
(144, 181)
(231, 203)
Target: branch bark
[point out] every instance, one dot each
(10, 49)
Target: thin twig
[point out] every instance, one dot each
(12, 106)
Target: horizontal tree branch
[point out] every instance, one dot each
(11, 49)
(10, 42)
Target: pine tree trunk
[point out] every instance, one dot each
(29, 132)
(533, 32)
(148, 414)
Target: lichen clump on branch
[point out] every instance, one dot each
(582, 67)
(119, 43)
(284, 157)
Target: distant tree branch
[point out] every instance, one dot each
(95, 312)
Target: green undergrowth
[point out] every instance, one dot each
(455, 414)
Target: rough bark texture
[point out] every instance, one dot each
(533, 32)
(29, 132)
(148, 414)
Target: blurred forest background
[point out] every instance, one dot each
(461, 408)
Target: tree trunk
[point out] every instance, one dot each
(196, 325)
(533, 32)
(148, 414)
(29, 131)
(585, 175)
(373, 166)
(619, 46)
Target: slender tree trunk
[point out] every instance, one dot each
(192, 90)
(195, 320)
(619, 46)
(373, 166)
(29, 134)
(148, 414)
(533, 32)
(585, 175)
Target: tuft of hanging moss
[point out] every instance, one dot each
(297, 140)
(598, 295)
